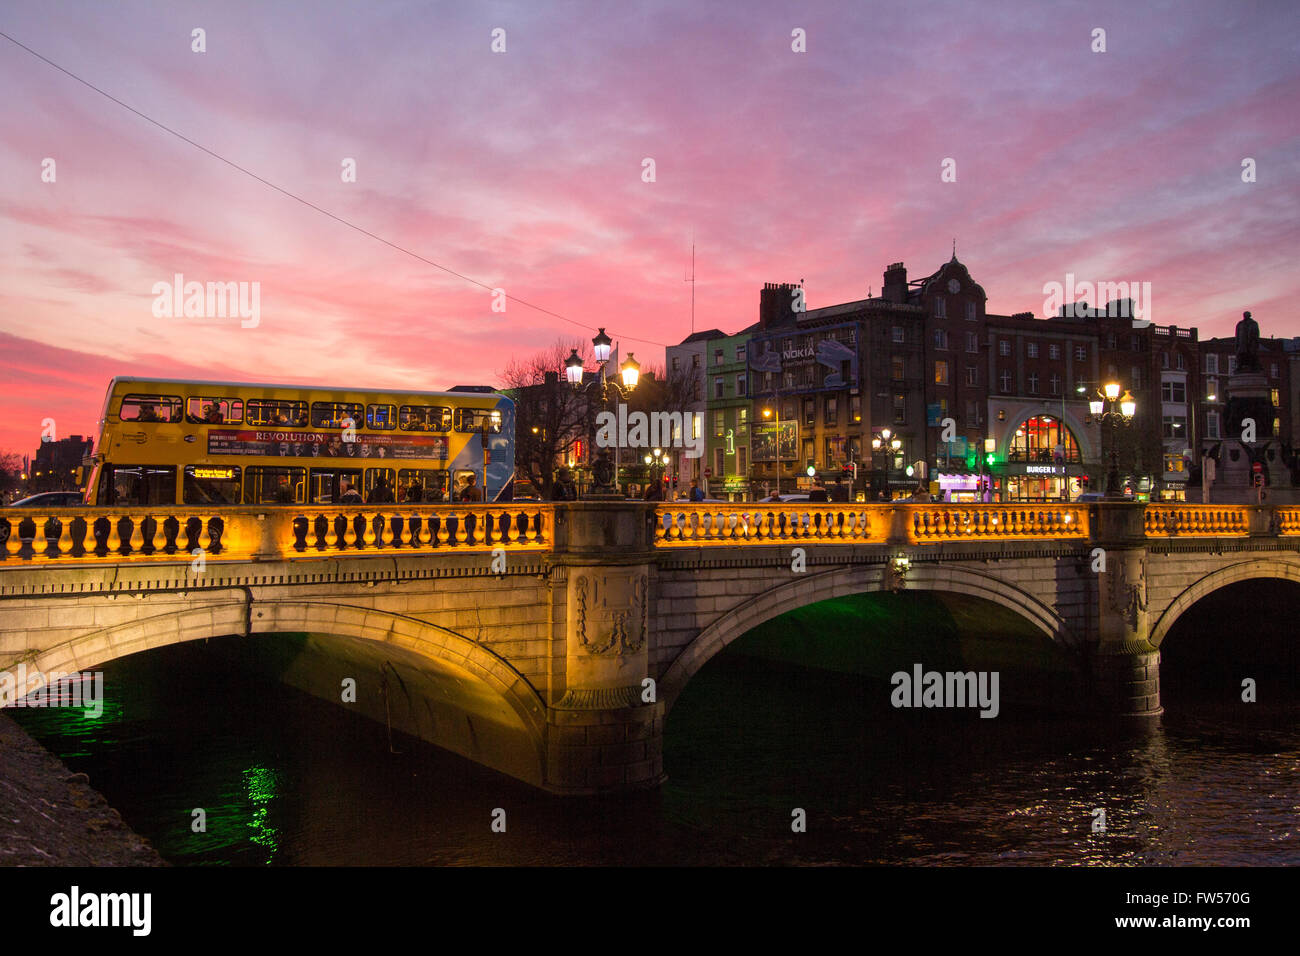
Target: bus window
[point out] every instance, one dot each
(460, 481)
(432, 484)
(214, 411)
(327, 484)
(372, 478)
(424, 418)
(471, 419)
(268, 411)
(334, 414)
(210, 485)
(381, 416)
(129, 485)
(273, 486)
(150, 408)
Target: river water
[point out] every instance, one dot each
(285, 779)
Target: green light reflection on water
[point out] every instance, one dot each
(263, 787)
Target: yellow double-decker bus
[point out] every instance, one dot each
(165, 442)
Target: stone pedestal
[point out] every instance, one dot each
(1250, 415)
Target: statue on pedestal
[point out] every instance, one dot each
(1248, 345)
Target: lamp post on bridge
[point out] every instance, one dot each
(1111, 410)
(630, 371)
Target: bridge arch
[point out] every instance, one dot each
(1242, 571)
(418, 638)
(843, 581)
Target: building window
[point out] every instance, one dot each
(1004, 381)
(717, 388)
(809, 453)
(717, 356)
(1274, 393)
(1277, 426)
(1212, 425)
(972, 413)
(896, 368)
(855, 407)
(695, 390)
(940, 339)
(1081, 353)
(719, 463)
(742, 420)
(788, 379)
(1135, 374)
(1004, 347)
(1135, 342)
(1164, 359)
(971, 315)
(940, 308)
(832, 410)
(695, 360)
(1232, 365)
(1211, 389)
(1033, 383)
(1053, 351)
(719, 423)
(1212, 364)
(740, 353)
(900, 408)
(1181, 362)
(1175, 426)
(1271, 374)
(742, 460)
(741, 386)
(810, 411)
(1176, 392)
(1042, 440)
(941, 372)
(972, 375)
(898, 334)
(676, 362)
(1173, 464)
(1110, 341)
(1032, 349)
(1054, 383)
(972, 342)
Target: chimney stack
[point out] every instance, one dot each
(776, 304)
(895, 289)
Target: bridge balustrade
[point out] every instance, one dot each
(693, 525)
(934, 523)
(1169, 520)
(111, 535)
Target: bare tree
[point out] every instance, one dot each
(551, 416)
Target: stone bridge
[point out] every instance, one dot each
(549, 641)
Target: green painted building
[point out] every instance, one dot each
(728, 416)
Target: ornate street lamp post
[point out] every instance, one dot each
(886, 441)
(630, 371)
(1111, 410)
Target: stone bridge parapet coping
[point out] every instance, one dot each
(120, 536)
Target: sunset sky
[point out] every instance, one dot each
(523, 170)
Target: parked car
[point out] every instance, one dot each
(50, 499)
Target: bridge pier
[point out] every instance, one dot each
(605, 730)
(1125, 666)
